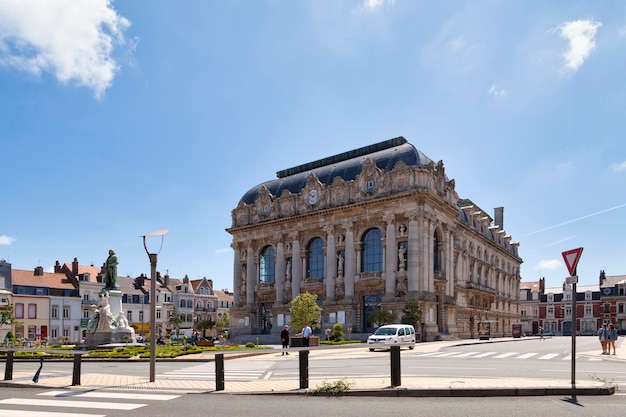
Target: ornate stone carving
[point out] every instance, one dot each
(401, 287)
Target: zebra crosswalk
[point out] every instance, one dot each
(97, 403)
(506, 355)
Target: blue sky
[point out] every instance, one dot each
(121, 118)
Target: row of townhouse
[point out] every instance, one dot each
(551, 308)
(56, 306)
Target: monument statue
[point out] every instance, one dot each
(108, 323)
(106, 319)
(110, 276)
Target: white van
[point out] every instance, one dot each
(390, 334)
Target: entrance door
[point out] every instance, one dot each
(266, 320)
(370, 304)
(567, 328)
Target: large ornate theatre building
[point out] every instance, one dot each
(368, 229)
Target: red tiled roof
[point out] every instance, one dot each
(48, 279)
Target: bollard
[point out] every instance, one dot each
(76, 373)
(8, 369)
(395, 366)
(219, 372)
(304, 369)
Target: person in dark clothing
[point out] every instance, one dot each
(284, 338)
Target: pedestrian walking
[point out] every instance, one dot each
(603, 337)
(611, 339)
(284, 338)
(541, 334)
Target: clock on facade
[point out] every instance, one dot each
(313, 195)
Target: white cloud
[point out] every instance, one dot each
(581, 36)
(548, 264)
(619, 167)
(6, 240)
(496, 92)
(72, 40)
(374, 4)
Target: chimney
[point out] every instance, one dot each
(39, 271)
(75, 267)
(499, 217)
(542, 285)
(57, 267)
(602, 277)
(166, 280)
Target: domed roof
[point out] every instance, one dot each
(346, 165)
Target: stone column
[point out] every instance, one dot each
(350, 261)
(279, 283)
(413, 271)
(391, 254)
(251, 275)
(236, 271)
(296, 266)
(429, 276)
(331, 262)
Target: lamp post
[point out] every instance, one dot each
(153, 264)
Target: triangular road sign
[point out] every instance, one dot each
(571, 259)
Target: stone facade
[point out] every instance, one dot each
(372, 229)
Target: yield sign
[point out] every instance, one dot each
(571, 259)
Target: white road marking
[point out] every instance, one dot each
(28, 413)
(548, 356)
(506, 355)
(71, 404)
(115, 395)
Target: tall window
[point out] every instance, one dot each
(372, 260)
(32, 311)
(66, 312)
(19, 311)
(267, 265)
(315, 261)
(55, 312)
(436, 257)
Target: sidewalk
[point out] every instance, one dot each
(410, 386)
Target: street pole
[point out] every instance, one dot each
(153, 264)
(574, 329)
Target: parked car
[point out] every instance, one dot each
(391, 334)
(587, 332)
(548, 333)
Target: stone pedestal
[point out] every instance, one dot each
(113, 329)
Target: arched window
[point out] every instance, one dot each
(189, 303)
(372, 259)
(315, 260)
(267, 265)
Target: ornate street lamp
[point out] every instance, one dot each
(153, 263)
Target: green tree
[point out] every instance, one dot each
(204, 325)
(7, 316)
(412, 314)
(304, 310)
(223, 323)
(337, 332)
(175, 321)
(381, 317)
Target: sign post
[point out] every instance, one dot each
(571, 258)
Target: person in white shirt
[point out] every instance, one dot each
(306, 334)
